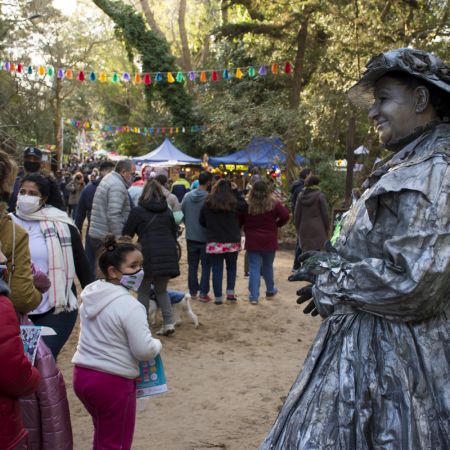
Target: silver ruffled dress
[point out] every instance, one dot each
(378, 373)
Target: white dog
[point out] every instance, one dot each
(180, 303)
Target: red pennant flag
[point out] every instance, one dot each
(80, 76)
(19, 68)
(214, 76)
(287, 68)
(147, 79)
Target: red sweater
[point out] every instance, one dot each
(261, 230)
(17, 376)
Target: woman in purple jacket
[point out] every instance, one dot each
(261, 222)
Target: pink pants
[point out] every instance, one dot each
(111, 401)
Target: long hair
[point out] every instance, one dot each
(221, 197)
(47, 187)
(152, 193)
(260, 199)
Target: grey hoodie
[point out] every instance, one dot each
(114, 333)
(191, 206)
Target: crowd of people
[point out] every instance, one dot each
(115, 230)
(382, 291)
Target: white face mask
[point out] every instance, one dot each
(28, 204)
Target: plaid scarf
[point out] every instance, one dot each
(54, 225)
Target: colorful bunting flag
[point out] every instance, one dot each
(146, 78)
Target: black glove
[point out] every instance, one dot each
(303, 274)
(305, 294)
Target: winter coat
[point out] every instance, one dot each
(377, 374)
(155, 226)
(46, 414)
(74, 188)
(179, 190)
(311, 219)
(110, 208)
(114, 334)
(17, 376)
(296, 187)
(191, 207)
(85, 204)
(24, 296)
(172, 200)
(223, 226)
(261, 230)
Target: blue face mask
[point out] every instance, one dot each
(132, 280)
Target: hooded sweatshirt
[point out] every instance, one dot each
(114, 332)
(191, 207)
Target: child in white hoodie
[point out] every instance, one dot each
(114, 337)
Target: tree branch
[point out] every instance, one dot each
(148, 13)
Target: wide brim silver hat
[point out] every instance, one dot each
(426, 66)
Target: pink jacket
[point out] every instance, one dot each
(46, 414)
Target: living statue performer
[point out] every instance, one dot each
(378, 373)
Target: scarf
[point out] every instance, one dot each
(54, 225)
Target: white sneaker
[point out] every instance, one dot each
(166, 330)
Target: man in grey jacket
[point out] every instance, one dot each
(196, 238)
(111, 205)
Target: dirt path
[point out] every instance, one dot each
(226, 379)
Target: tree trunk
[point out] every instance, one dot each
(224, 9)
(185, 51)
(351, 145)
(148, 13)
(294, 97)
(57, 122)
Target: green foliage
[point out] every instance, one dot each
(155, 55)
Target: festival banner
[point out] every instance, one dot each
(148, 78)
(150, 131)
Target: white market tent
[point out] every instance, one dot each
(168, 155)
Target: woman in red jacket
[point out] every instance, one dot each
(261, 222)
(17, 376)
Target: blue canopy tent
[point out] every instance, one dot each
(261, 151)
(166, 153)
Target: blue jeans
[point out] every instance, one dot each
(217, 272)
(196, 253)
(255, 260)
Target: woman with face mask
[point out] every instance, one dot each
(57, 251)
(114, 337)
(153, 221)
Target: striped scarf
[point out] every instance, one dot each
(54, 225)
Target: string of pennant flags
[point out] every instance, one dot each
(111, 129)
(148, 78)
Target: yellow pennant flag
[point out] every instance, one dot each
(170, 77)
(239, 73)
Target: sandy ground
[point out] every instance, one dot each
(227, 379)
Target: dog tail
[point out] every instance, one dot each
(189, 311)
